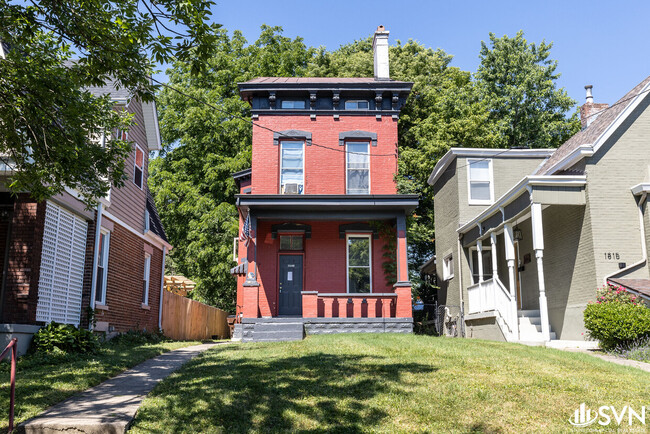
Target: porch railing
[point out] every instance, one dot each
(13, 347)
(491, 296)
(348, 305)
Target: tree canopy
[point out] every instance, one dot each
(50, 124)
(447, 107)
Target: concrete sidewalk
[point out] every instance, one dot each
(111, 406)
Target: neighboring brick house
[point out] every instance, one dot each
(525, 237)
(58, 258)
(321, 206)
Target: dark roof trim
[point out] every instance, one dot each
(328, 203)
(291, 134)
(155, 224)
(242, 173)
(357, 134)
(377, 86)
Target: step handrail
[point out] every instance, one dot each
(11, 347)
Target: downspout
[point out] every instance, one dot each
(644, 250)
(93, 283)
(162, 287)
(460, 285)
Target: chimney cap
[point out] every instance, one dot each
(589, 86)
(590, 96)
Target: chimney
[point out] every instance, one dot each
(380, 50)
(589, 110)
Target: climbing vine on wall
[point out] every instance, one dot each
(389, 250)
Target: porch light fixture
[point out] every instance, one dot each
(517, 234)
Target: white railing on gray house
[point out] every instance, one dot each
(491, 296)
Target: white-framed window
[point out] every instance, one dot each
(292, 167)
(121, 134)
(357, 178)
(487, 263)
(235, 244)
(357, 105)
(145, 281)
(359, 263)
(293, 104)
(479, 181)
(102, 267)
(138, 166)
(448, 267)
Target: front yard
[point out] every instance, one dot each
(386, 383)
(42, 380)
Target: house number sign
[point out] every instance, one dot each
(612, 256)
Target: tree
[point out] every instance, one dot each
(203, 145)
(518, 80)
(50, 124)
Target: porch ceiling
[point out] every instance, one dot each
(327, 206)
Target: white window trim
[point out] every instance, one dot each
(469, 182)
(345, 105)
(147, 276)
(235, 244)
(106, 249)
(446, 275)
(303, 163)
(347, 259)
(346, 165)
(135, 159)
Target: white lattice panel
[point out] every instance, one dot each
(62, 266)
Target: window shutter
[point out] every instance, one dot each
(62, 266)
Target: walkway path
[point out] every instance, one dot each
(111, 406)
(619, 361)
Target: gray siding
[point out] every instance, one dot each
(619, 164)
(128, 203)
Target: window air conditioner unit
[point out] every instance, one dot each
(292, 188)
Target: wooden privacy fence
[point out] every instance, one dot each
(185, 319)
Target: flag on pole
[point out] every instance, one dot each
(245, 235)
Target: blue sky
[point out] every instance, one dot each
(603, 43)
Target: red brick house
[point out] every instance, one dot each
(320, 207)
(58, 258)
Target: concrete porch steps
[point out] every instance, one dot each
(530, 326)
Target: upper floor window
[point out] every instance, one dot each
(293, 104)
(357, 105)
(292, 168)
(479, 174)
(358, 168)
(138, 169)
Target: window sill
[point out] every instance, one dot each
(145, 306)
(481, 203)
(101, 306)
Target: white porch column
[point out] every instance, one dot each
(512, 282)
(479, 254)
(538, 246)
(493, 243)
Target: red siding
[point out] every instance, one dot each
(124, 283)
(324, 168)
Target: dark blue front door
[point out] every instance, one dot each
(290, 284)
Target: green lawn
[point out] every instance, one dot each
(44, 381)
(386, 383)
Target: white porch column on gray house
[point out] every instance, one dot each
(512, 282)
(493, 243)
(479, 254)
(538, 246)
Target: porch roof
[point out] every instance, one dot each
(547, 190)
(288, 205)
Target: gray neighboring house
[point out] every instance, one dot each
(525, 237)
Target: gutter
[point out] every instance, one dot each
(162, 288)
(460, 284)
(644, 250)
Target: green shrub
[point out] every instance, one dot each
(66, 338)
(616, 323)
(138, 337)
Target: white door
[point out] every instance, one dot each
(62, 266)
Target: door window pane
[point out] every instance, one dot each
(291, 242)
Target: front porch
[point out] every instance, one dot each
(506, 249)
(325, 264)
